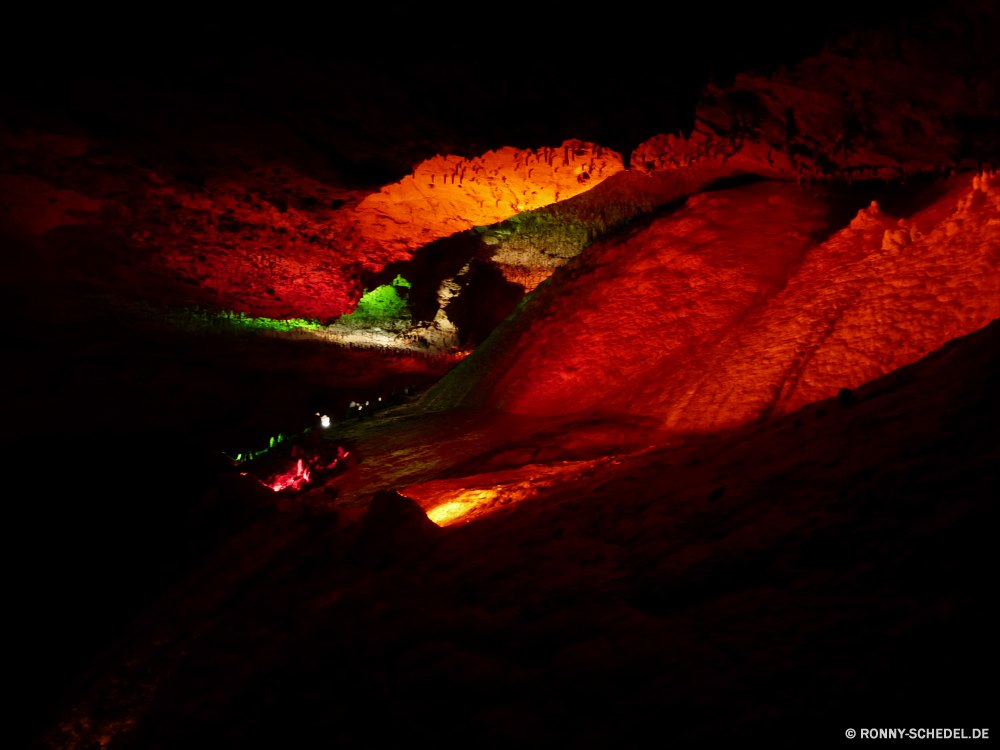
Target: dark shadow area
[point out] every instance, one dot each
(589, 616)
(112, 434)
(101, 528)
(114, 424)
(734, 181)
(896, 199)
(430, 265)
(980, 143)
(323, 95)
(483, 304)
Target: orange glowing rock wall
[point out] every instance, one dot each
(727, 311)
(271, 240)
(449, 194)
(451, 501)
(867, 108)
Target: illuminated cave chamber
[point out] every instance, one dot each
(564, 446)
(448, 195)
(271, 268)
(728, 310)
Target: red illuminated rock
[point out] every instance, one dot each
(265, 238)
(557, 233)
(273, 241)
(705, 569)
(859, 110)
(289, 245)
(727, 311)
(269, 244)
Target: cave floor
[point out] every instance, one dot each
(825, 570)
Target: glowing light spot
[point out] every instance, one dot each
(324, 421)
(466, 502)
(295, 479)
(443, 514)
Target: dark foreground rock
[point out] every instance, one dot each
(843, 578)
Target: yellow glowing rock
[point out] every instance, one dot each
(449, 194)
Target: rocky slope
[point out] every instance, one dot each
(823, 571)
(601, 576)
(730, 309)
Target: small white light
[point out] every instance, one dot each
(324, 421)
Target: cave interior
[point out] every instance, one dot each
(532, 376)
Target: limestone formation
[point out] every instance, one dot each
(727, 312)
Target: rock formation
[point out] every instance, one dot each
(342, 407)
(741, 586)
(729, 310)
(863, 109)
(448, 194)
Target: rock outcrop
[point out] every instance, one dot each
(729, 310)
(270, 238)
(449, 194)
(275, 242)
(759, 584)
(871, 107)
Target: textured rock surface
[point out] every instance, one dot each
(231, 226)
(728, 310)
(275, 242)
(827, 568)
(872, 106)
(806, 575)
(261, 242)
(449, 194)
(869, 107)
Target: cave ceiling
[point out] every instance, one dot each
(238, 168)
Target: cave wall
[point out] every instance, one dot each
(247, 187)
(730, 310)
(222, 163)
